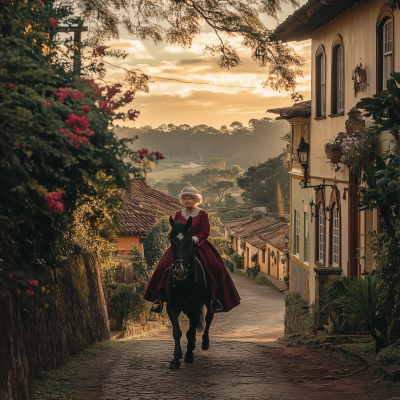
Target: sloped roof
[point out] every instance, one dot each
(256, 241)
(275, 235)
(299, 110)
(233, 224)
(308, 18)
(143, 207)
(253, 227)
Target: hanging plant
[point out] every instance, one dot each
(357, 148)
(334, 151)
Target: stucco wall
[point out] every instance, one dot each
(126, 242)
(300, 280)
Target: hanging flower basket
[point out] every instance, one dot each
(335, 156)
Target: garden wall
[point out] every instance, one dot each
(297, 315)
(41, 332)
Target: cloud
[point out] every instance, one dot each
(134, 48)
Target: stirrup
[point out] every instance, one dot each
(157, 307)
(216, 306)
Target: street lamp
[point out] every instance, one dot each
(286, 240)
(303, 151)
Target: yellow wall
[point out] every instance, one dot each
(126, 242)
(275, 268)
(263, 265)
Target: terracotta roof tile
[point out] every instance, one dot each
(143, 207)
(275, 235)
(256, 241)
(253, 227)
(233, 224)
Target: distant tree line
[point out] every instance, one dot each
(241, 145)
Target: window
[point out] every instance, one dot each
(387, 52)
(263, 256)
(321, 234)
(335, 237)
(384, 46)
(337, 76)
(306, 239)
(320, 82)
(297, 233)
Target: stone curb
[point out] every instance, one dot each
(137, 330)
(391, 372)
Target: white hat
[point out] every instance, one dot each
(191, 191)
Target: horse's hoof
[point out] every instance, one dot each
(189, 360)
(205, 346)
(174, 364)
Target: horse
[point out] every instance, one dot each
(187, 291)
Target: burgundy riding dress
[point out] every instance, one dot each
(218, 276)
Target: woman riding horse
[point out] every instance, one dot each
(223, 292)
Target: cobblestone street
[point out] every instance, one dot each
(243, 362)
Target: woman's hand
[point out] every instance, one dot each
(195, 240)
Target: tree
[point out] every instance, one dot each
(156, 242)
(217, 162)
(179, 22)
(260, 183)
(174, 188)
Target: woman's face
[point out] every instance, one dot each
(189, 201)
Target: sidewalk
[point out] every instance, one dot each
(280, 285)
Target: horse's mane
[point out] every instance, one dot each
(179, 227)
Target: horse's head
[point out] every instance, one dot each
(182, 247)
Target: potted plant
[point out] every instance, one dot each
(334, 150)
(358, 147)
(286, 280)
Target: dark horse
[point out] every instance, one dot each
(187, 290)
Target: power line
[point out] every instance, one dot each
(180, 81)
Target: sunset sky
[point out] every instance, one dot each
(179, 103)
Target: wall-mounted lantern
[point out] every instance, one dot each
(359, 77)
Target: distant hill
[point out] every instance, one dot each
(241, 145)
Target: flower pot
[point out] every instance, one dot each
(336, 155)
(328, 153)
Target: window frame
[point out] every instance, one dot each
(320, 207)
(385, 14)
(335, 234)
(335, 204)
(320, 82)
(306, 239)
(337, 78)
(297, 233)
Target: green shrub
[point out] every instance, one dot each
(262, 280)
(130, 305)
(390, 355)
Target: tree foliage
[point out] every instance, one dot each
(179, 22)
(382, 192)
(260, 183)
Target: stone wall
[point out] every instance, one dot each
(41, 332)
(300, 280)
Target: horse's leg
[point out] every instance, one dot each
(191, 335)
(177, 334)
(205, 345)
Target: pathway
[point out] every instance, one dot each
(244, 362)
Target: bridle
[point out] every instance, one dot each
(186, 271)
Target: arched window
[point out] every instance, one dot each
(320, 229)
(320, 82)
(321, 234)
(335, 237)
(337, 76)
(384, 46)
(334, 231)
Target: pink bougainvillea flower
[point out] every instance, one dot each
(68, 158)
(16, 144)
(47, 103)
(64, 131)
(54, 22)
(99, 51)
(132, 114)
(10, 276)
(32, 282)
(53, 203)
(122, 140)
(62, 94)
(158, 155)
(11, 85)
(143, 153)
(30, 292)
(42, 2)
(136, 137)
(86, 109)
(77, 95)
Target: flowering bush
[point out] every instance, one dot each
(56, 132)
(357, 147)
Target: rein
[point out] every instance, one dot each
(187, 262)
